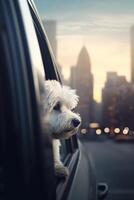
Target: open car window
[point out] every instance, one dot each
(52, 73)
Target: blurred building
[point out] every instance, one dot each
(117, 101)
(51, 30)
(65, 82)
(97, 110)
(82, 80)
(132, 53)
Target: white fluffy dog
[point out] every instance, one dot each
(60, 119)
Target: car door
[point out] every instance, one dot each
(26, 163)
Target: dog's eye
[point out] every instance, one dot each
(73, 109)
(57, 106)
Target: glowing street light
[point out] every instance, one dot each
(94, 125)
(83, 131)
(98, 132)
(106, 130)
(117, 130)
(126, 130)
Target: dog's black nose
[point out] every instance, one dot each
(75, 122)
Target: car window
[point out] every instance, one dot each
(63, 150)
(51, 71)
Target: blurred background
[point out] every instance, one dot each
(93, 43)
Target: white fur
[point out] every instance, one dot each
(59, 122)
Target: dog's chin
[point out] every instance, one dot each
(65, 134)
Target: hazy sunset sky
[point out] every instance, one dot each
(103, 26)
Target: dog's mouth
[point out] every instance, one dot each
(66, 133)
(69, 129)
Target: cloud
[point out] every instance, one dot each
(97, 24)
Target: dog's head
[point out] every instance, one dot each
(59, 103)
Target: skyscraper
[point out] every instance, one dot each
(118, 101)
(132, 53)
(82, 80)
(50, 28)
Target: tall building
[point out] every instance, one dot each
(117, 101)
(50, 28)
(82, 80)
(132, 53)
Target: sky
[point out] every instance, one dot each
(102, 26)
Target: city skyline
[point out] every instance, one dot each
(117, 102)
(102, 26)
(84, 86)
(132, 53)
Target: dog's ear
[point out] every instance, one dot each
(52, 92)
(70, 96)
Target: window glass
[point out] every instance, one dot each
(63, 150)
